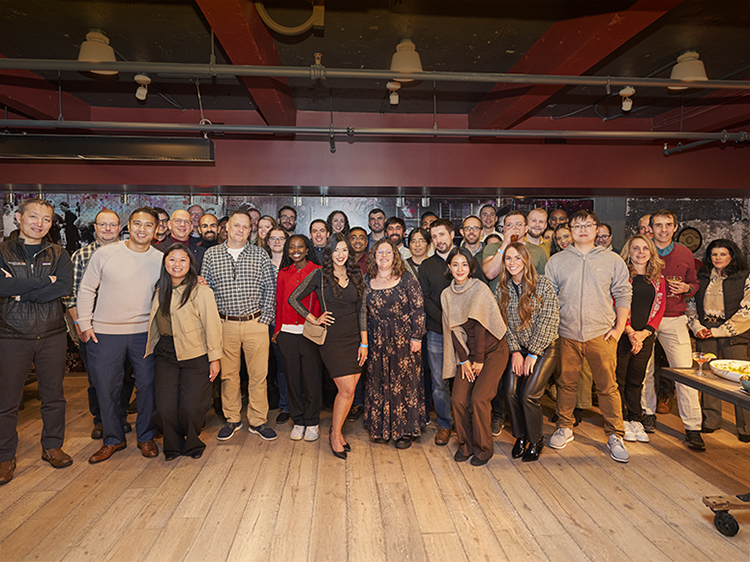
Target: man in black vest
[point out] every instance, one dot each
(34, 276)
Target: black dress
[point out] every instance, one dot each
(339, 352)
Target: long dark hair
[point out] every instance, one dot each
(737, 264)
(286, 261)
(164, 285)
(529, 299)
(329, 222)
(352, 269)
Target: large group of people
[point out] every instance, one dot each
(466, 320)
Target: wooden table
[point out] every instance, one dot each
(710, 384)
(728, 391)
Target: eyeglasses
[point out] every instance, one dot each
(384, 253)
(163, 221)
(182, 221)
(603, 236)
(276, 239)
(586, 226)
(110, 225)
(472, 228)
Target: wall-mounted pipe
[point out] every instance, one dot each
(352, 132)
(315, 72)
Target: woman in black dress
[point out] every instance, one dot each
(340, 288)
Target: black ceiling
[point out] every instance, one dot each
(476, 36)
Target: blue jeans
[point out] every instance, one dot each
(106, 361)
(441, 397)
(280, 377)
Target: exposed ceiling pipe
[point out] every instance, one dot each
(320, 72)
(371, 132)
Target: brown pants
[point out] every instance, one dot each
(471, 406)
(602, 356)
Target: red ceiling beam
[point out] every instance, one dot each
(30, 94)
(246, 40)
(715, 111)
(569, 47)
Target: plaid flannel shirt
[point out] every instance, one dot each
(544, 320)
(241, 287)
(81, 259)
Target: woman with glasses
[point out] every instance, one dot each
(394, 395)
(340, 289)
(184, 334)
(273, 242)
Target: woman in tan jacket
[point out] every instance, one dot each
(184, 334)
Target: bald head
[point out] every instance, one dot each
(180, 225)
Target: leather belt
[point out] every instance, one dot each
(243, 318)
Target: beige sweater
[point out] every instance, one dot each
(117, 289)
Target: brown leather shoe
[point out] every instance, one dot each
(7, 468)
(107, 451)
(663, 406)
(442, 436)
(148, 449)
(57, 458)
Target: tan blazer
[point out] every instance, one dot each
(196, 327)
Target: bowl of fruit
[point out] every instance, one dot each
(730, 369)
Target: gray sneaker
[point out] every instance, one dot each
(561, 437)
(617, 449)
(264, 431)
(311, 433)
(298, 431)
(640, 434)
(629, 431)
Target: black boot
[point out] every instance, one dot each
(533, 452)
(519, 448)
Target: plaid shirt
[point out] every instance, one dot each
(241, 287)
(81, 259)
(545, 319)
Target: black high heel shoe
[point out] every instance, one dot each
(339, 454)
(533, 452)
(347, 448)
(519, 449)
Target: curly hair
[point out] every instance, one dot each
(397, 268)
(329, 222)
(352, 269)
(655, 264)
(529, 299)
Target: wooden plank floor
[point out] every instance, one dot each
(247, 499)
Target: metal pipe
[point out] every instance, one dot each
(680, 147)
(370, 132)
(315, 72)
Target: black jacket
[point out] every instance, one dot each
(39, 312)
(433, 281)
(733, 288)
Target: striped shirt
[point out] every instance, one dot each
(244, 286)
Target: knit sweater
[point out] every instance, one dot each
(679, 262)
(117, 289)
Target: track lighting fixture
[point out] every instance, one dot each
(627, 102)
(143, 80)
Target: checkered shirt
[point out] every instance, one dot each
(81, 259)
(241, 287)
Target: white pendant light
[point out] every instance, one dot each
(96, 48)
(688, 67)
(406, 59)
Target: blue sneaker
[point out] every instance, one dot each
(226, 432)
(264, 431)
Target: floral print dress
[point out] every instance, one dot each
(394, 398)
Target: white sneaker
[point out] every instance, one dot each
(311, 433)
(617, 449)
(629, 431)
(561, 437)
(640, 433)
(298, 431)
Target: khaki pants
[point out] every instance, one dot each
(602, 356)
(252, 338)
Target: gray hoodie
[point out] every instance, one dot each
(586, 286)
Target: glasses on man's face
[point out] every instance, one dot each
(472, 228)
(109, 225)
(286, 217)
(602, 237)
(584, 226)
(163, 221)
(182, 221)
(276, 239)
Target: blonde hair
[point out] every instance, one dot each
(655, 264)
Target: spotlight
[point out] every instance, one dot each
(627, 102)
(393, 88)
(143, 80)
